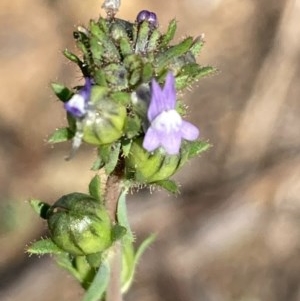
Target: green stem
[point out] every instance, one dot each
(112, 194)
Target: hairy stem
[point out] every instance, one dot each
(111, 201)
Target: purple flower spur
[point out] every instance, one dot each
(77, 105)
(167, 129)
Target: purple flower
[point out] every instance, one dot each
(146, 15)
(77, 104)
(167, 129)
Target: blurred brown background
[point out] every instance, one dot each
(233, 234)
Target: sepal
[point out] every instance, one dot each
(44, 246)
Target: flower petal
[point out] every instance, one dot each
(171, 143)
(157, 101)
(151, 140)
(169, 92)
(189, 131)
(85, 91)
(76, 105)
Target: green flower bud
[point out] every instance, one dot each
(105, 121)
(79, 224)
(147, 167)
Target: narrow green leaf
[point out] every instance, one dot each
(142, 37)
(169, 35)
(144, 245)
(126, 145)
(133, 126)
(99, 284)
(65, 261)
(165, 57)
(62, 92)
(94, 260)
(100, 78)
(96, 49)
(197, 46)
(147, 72)
(122, 216)
(127, 265)
(197, 147)
(118, 232)
(61, 135)
(125, 46)
(95, 188)
(39, 207)
(104, 152)
(72, 57)
(110, 51)
(44, 246)
(142, 248)
(153, 41)
(169, 185)
(121, 97)
(97, 164)
(113, 158)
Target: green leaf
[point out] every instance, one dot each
(84, 269)
(126, 145)
(61, 135)
(94, 260)
(133, 126)
(121, 97)
(144, 245)
(44, 246)
(197, 46)
(97, 164)
(95, 188)
(147, 72)
(132, 264)
(39, 207)
(113, 158)
(96, 49)
(118, 232)
(169, 185)
(169, 35)
(122, 216)
(125, 46)
(165, 57)
(110, 51)
(195, 148)
(153, 40)
(62, 92)
(142, 37)
(104, 152)
(127, 265)
(65, 261)
(72, 57)
(99, 284)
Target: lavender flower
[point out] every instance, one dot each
(167, 129)
(77, 105)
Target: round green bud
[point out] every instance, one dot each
(105, 121)
(79, 224)
(145, 167)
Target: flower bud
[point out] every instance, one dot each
(148, 16)
(79, 224)
(105, 119)
(146, 167)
